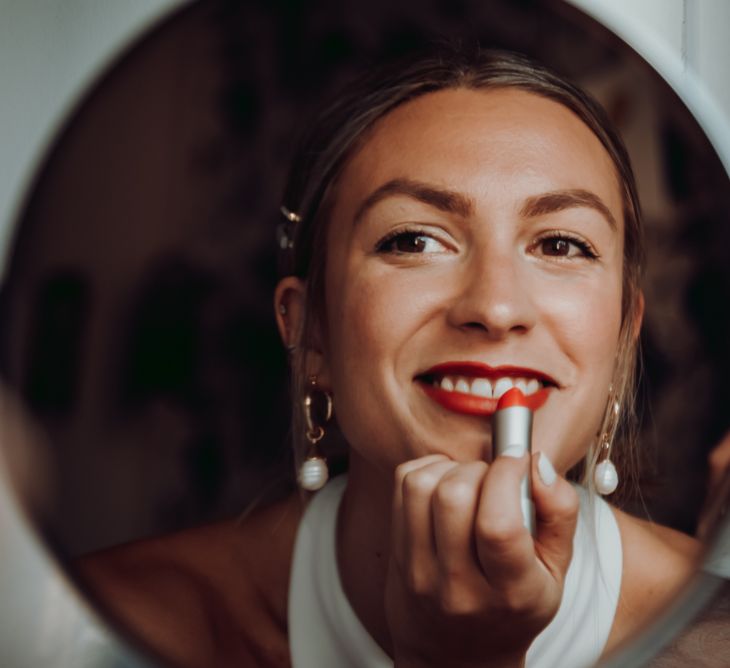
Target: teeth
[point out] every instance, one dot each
(501, 386)
(483, 387)
(462, 386)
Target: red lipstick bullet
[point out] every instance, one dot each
(512, 437)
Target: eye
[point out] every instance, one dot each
(560, 245)
(410, 241)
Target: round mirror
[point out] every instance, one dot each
(145, 385)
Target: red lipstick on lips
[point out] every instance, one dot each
(469, 404)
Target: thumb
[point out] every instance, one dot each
(556, 508)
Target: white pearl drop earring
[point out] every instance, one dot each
(314, 472)
(605, 475)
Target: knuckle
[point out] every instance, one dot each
(516, 602)
(454, 494)
(454, 600)
(498, 533)
(402, 470)
(417, 582)
(420, 482)
(567, 503)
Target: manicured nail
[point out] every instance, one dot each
(546, 470)
(515, 451)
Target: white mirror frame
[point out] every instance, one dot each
(50, 53)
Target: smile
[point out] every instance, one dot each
(486, 388)
(475, 389)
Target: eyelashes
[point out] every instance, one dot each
(560, 245)
(409, 241)
(556, 245)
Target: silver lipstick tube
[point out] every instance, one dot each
(512, 434)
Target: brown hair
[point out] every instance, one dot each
(344, 125)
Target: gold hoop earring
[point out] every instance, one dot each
(314, 472)
(605, 475)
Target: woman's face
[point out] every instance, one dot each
(475, 241)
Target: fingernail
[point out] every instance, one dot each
(546, 470)
(515, 451)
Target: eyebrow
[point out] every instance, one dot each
(453, 202)
(559, 200)
(439, 198)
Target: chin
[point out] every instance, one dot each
(459, 446)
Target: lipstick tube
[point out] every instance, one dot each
(512, 437)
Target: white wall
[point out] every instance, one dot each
(687, 41)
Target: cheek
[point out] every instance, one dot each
(360, 325)
(372, 316)
(585, 317)
(584, 321)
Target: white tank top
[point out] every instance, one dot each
(325, 632)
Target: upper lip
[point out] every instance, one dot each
(481, 370)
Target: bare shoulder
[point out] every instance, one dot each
(209, 595)
(657, 563)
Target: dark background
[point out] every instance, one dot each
(137, 309)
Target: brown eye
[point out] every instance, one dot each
(556, 247)
(565, 247)
(410, 243)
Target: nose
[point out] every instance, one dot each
(494, 295)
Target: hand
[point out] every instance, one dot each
(467, 585)
(719, 463)
(719, 467)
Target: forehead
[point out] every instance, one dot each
(481, 141)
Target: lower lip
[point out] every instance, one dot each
(468, 404)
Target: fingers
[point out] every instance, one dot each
(452, 522)
(504, 546)
(414, 545)
(454, 509)
(397, 521)
(556, 507)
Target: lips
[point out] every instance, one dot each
(475, 389)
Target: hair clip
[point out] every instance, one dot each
(290, 215)
(285, 231)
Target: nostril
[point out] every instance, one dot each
(494, 330)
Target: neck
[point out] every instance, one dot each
(363, 545)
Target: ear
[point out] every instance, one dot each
(638, 315)
(290, 308)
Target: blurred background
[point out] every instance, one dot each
(138, 329)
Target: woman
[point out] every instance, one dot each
(455, 226)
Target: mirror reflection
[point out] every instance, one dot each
(453, 222)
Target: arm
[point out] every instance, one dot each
(157, 600)
(719, 466)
